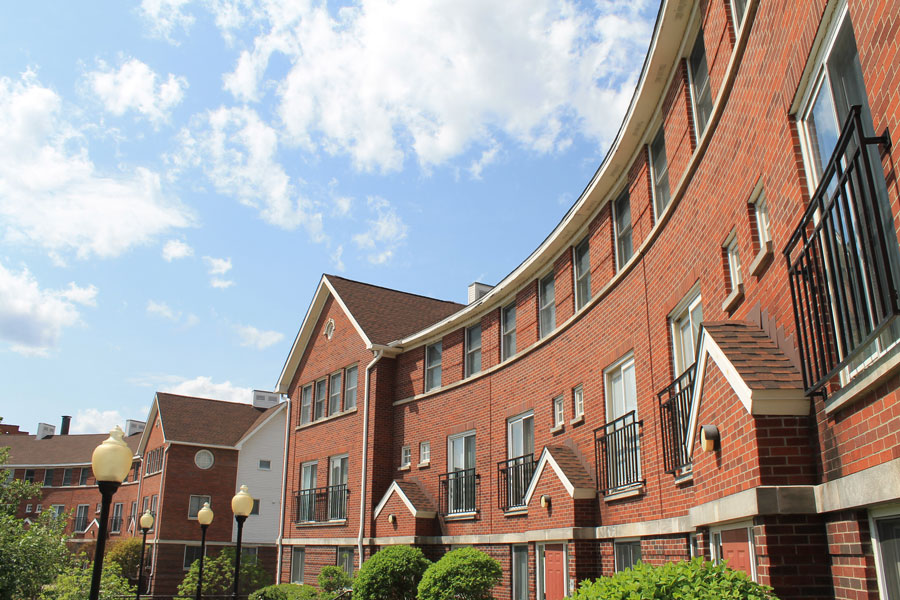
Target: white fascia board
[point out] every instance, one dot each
(418, 514)
(145, 435)
(574, 492)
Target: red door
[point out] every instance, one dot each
(554, 572)
(736, 549)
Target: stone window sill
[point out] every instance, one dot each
(631, 492)
(558, 428)
(762, 260)
(734, 299)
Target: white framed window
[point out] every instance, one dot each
(334, 392)
(582, 259)
(81, 517)
(628, 554)
(250, 555)
(578, 401)
(659, 169)
(321, 398)
(67, 476)
(29, 475)
(405, 457)
(48, 477)
(265, 464)
(623, 451)
(350, 384)
(306, 499)
(196, 503)
(338, 472)
(547, 306)
(191, 554)
(345, 559)
(621, 388)
(559, 412)
(461, 473)
(738, 10)
(298, 564)
(519, 465)
(433, 354)
(306, 404)
(622, 222)
(85, 471)
(520, 575)
(424, 453)
(508, 327)
(38, 509)
(115, 525)
(759, 212)
(473, 349)
(29, 508)
(520, 435)
(57, 509)
(686, 319)
(701, 92)
(97, 510)
(734, 279)
(884, 523)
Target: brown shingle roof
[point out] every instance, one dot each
(205, 421)
(57, 449)
(574, 470)
(387, 315)
(758, 360)
(415, 495)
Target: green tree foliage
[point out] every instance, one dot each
(393, 573)
(218, 576)
(13, 491)
(463, 573)
(332, 580)
(127, 554)
(75, 581)
(686, 580)
(286, 591)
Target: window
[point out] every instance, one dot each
(191, 555)
(886, 540)
(97, 510)
(39, 509)
(337, 491)
(520, 435)
(702, 93)
(559, 412)
(659, 168)
(154, 461)
(520, 575)
(622, 216)
(578, 401)
(733, 279)
(405, 457)
(255, 509)
(461, 473)
(761, 219)
(306, 499)
(67, 477)
(738, 10)
(153, 502)
(516, 472)
(473, 349)
(350, 375)
(48, 477)
(508, 320)
(547, 298)
(582, 260)
(57, 509)
(29, 475)
(627, 554)
(686, 321)
(29, 508)
(195, 504)
(115, 525)
(334, 397)
(298, 564)
(306, 404)
(265, 465)
(433, 366)
(321, 397)
(621, 432)
(424, 453)
(345, 560)
(204, 459)
(250, 555)
(81, 517)
(84, 476)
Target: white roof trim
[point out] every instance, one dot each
(419, 514)
(145, 435)
(756, 401)
(247, 435)
(574, 492)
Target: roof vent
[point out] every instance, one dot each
(477, 290)
(265, 399)
(64, 427)
(44, 430)
(132, 427)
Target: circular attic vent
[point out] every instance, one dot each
(204, 459)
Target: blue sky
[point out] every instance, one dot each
(175, 176)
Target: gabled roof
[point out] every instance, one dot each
(70, 449)
(412, 496)
(568, 468)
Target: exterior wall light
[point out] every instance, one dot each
(709, 438)
(392, 518)
(545, 501)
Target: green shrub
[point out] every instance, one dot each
(332, 580)
(127, 554)
(392, 573)
(687, 580)
(74, 582)
(286, 591)
(218, 576)
(464, 573)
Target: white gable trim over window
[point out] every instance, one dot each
(396, 489)
(574, 492)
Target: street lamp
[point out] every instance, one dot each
(146, 523)
(110, 462)
(205, 516)
(241, 505)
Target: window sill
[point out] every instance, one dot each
(326, 419)
(404, 468)
(516, 511)
(630, 492)
(684, 478)
(734, 299)
(558, 428)
(334, 523)
(466, 516)
(873, 375)
(424, 465)
(762, 261)
(577, 420)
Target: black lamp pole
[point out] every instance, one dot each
(237, 559)
(141, 564)
(202, 552)
(107, 489)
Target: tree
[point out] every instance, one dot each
(218, 576)
(332, 580)
(13, 491)
(463, 573)
(72, 583)
(393, 573)
(127, 554)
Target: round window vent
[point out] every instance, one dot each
(204, 459)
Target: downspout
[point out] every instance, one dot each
(279, 540)
(365, 452)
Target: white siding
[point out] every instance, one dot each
(266, 444)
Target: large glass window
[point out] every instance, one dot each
(888, 531)
(191, 555)
(660, 170)
(520, 575)
(345, 559)
(583, 273)
(350, 383)
(519, 466)
(334, 393)
(508, 319)
(306, 404)
(433, 366)
(622, 442)
(627, 554)
(473, 349)
(702, 93)
(622, 216)
(48, 477)
(321, 398)
(461, 473)
(306, 499)
(298, 564)
(195, 504)
(337, 490)
(81, 517)
(686, 332)
(547, 299)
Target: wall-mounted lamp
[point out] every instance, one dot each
(709, 438)
(392, 518)
(545, 501)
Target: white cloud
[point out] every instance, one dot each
(33, 319)
(134, 87)
(255, 338)
(217, 266)
(337, 258)
(385, 232)
(342, 205)
(221, 284)
(92, 420)
(162, 309)
(204, 387)
(176, 249)
(164, 16)
(52, 195)
(487, 157)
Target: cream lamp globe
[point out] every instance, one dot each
(242, 503)
(205, 514)
(147, 520)
(111, 460)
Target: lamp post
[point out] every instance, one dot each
(205, 516)
(241, 505)
(146, 525)
(110, 463)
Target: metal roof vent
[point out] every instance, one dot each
(44, 431)
(263, 399)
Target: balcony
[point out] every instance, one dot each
(674, 416)
(459, 492)
(618, 454)
(842, 282)
(321, 505)
(514, 477)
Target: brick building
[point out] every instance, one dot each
(700, 358)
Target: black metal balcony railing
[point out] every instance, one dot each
(618, 453)
(318, 505)
(514, 477)
(459, 491)
(842, 283)
(674, 416)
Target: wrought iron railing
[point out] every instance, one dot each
(514, 477)
(674, 414)
(618, 453)
(842, 284)
(318, 505)
(459, 491)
